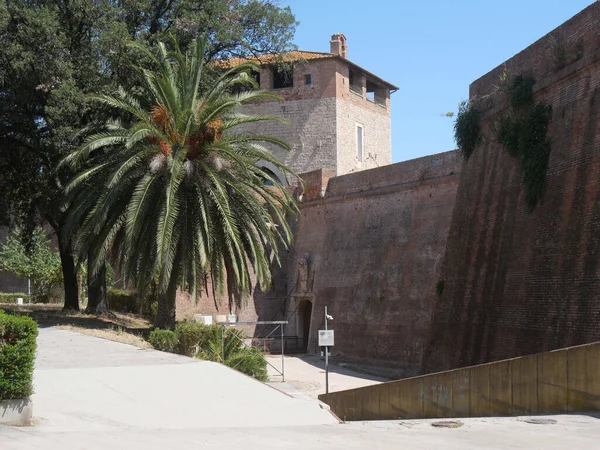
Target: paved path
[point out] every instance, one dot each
(96, 394)
(305, 376)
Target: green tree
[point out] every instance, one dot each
(175, 188)
(55, 52)
(39, 262)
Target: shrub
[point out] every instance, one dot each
(123, 301)
(17, 354)
(191, 337)
(12, 297)
(164, 340)
(212, 343)
(467, 131)
(227, 347)
(250, 361)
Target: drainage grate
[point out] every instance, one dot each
(447, 424)
(540, 421)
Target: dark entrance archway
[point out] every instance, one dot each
(304, 316)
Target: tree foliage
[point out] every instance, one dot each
(39, 262)
(175, 188)
(56, 52)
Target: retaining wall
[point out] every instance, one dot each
(557, 382)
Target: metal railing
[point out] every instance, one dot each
(270, 338)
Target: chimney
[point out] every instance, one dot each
(339, 45)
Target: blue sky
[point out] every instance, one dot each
(432, 49)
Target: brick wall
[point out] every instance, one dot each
(520, 282)
(377, 135)
(323, 117)
(323, 80)
(375, 243)
(311, 132)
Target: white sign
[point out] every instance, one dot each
(325, 338)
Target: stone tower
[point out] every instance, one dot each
(338, 113)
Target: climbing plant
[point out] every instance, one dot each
(439, 288)
(523, 133)
(467, 131)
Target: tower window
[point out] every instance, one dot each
(283, 76)
(359, 142)
(376, 93)
(308, 79)
(355, 81)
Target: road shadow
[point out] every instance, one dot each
(340, 367)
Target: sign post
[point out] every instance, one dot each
(326, 339)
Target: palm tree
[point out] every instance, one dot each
(177, 191)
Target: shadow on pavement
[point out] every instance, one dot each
(342, 368)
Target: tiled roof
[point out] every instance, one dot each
(295, 55)
(272, 58)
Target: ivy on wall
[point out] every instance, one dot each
(439, 288)
(467, 131)
(522, 131)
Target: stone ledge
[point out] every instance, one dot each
(16, 412)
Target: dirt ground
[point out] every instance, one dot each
(120, 327)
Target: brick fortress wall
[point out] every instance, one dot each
(520, 282)
(374, 244)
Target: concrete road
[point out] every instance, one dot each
(305, 376)
(97, 394)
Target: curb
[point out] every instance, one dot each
(16, 412)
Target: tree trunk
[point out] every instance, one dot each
(166, 310)
(166, 300)
(97, 298)
(69, 278)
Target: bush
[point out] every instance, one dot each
(227, 347)
(123, 301)
(164, 340)
(12, 297)
(17, 354)
(212, 343)
(467, 131)
(191, 337)
(250, 361)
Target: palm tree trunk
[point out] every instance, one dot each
(166, 311)
(166, 300)
(69, 278)
(97, 298)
